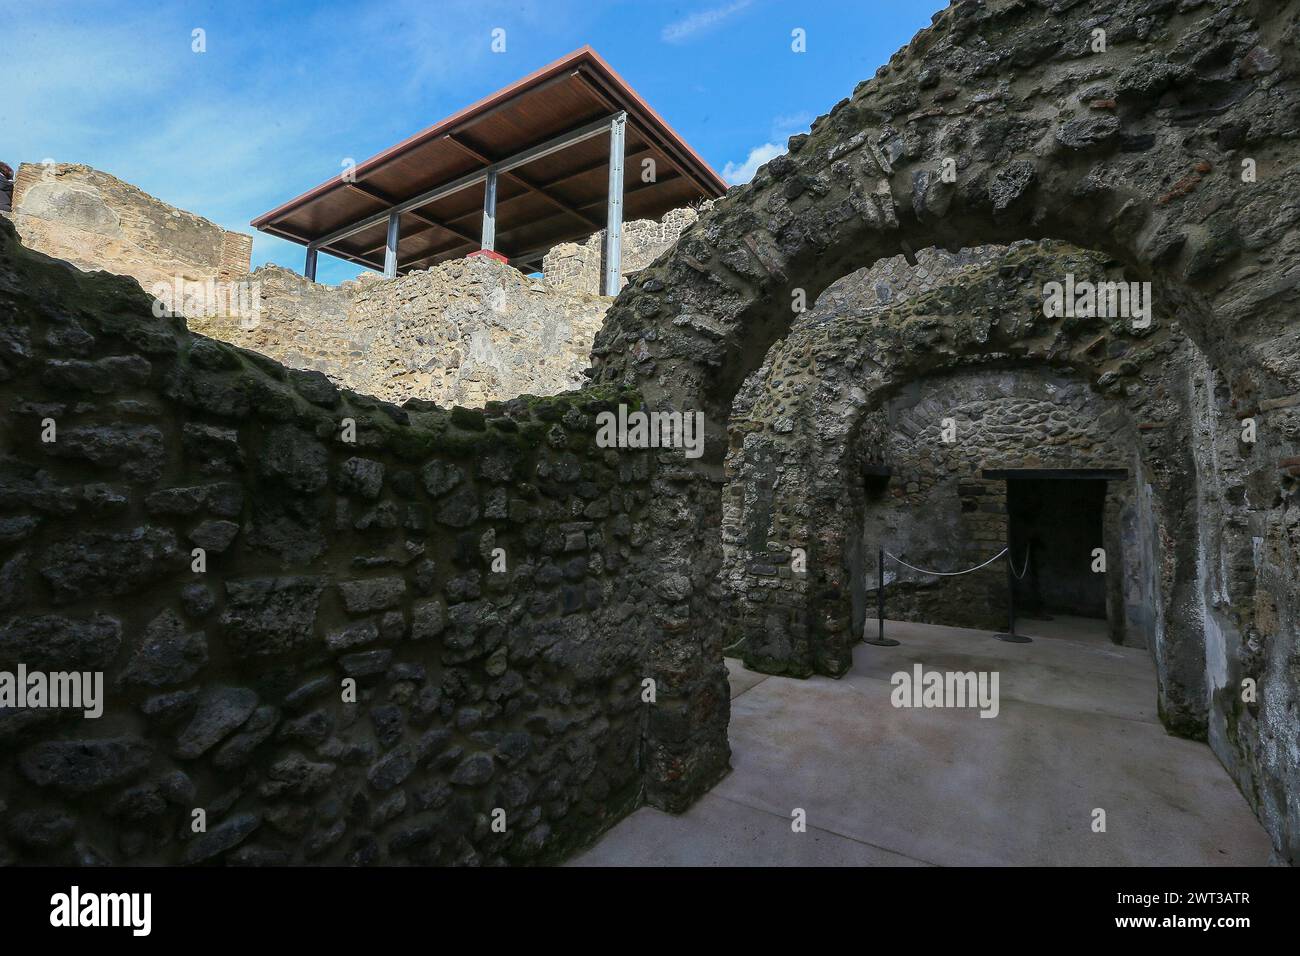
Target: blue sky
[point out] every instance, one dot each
(287, 90)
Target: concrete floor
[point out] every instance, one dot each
(880, 785)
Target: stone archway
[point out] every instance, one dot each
(1165, 141)
(801, 433)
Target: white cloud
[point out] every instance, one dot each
(684, 29)
(268, 111)
(736, 174)
(788, 124)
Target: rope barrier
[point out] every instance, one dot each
(948, 574)
(1010, 636)
(1021, 575)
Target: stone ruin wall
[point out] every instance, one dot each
(1138, 150)
(1132, 151)
(578, 267)
(864, 381)
(477, 689)
(464, 332)
(762, 458)
(96, 221)
(937, 511)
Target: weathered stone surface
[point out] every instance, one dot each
(265, 616)
(440, 477)
(474, 770)
(1087, 131)
(614, 555)
(1117, 177)
(13, 576)
(44, 829)
(136, 450)
(366, 663)
(214, 449)
(1010, 184)
(428, 619)
(94, 563)
(220, 711)
(239, 749)
(288, 527)
(197, 600)
(214, 534)
(387, 722)
(295, 774)
(114, 374)
(313, 728)
(296, 459)
(16, 528)
(466, 332)
(53, 642)
(578, 266)
(354, 635)
(460, 510)
(391, 770)
(169, 708)
(371, 594)
(137, 804)
(223, 837)
(82, 766)
(361, 476)
(96, 221)
(314, 386)
(168, 654)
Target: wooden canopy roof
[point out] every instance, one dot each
(558, 196)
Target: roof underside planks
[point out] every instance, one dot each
(557, 197)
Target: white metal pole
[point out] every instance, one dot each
(390, 251)
(613, 281)
(489, 211)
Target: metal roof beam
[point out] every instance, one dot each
(474, 213)
(627, 191)
(682, 168)
(545, 148)
(380, 196)
(528, 184)
(452, 252)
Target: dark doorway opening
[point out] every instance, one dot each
(1059, 523)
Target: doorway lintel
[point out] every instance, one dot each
(1038, 474)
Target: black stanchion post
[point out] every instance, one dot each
(1011, 596)
(1011, 637)
(881, 640)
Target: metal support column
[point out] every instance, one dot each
(489, 238)
(881, 640)
(390, 251)
(1010, 635)
(309, 270)
(613, 280)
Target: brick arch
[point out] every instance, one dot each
(1135, 151)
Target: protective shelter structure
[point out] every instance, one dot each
(538, 163)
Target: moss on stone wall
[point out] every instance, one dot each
(473, 571)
